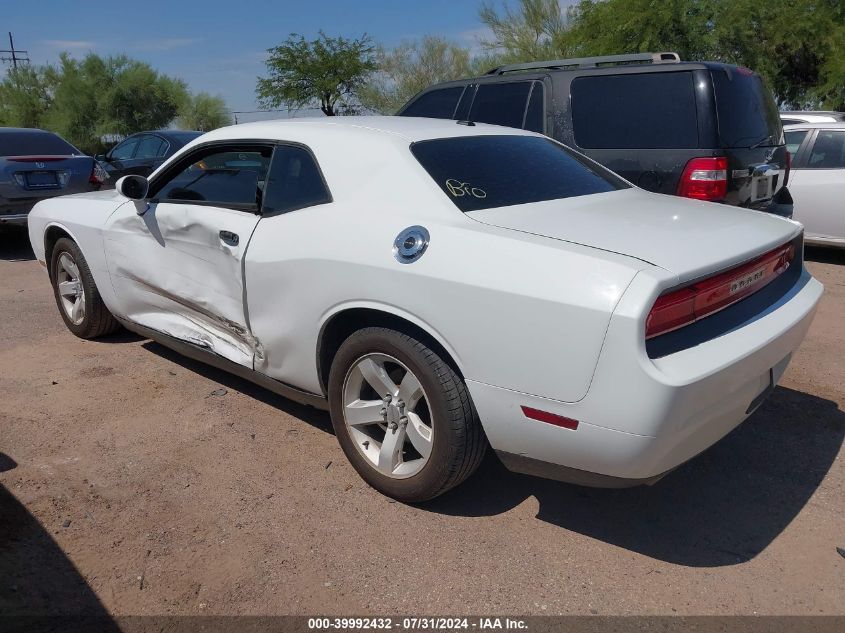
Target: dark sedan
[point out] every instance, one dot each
(36, 164)
(142, 153)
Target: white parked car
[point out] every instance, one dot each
(811, 116)
(441, 287)
(817, 180)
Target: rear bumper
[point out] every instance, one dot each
(781, 204)
(16, 212)
(642, 417)
(18, 219)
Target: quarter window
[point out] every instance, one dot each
(640, 111)
(294, 181)
(222, 177)
(794, 138)
(828, 151)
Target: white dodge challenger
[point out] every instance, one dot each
(441, 286)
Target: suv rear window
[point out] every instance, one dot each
(485, 172)
(746, 109)
(640, 111)
(34, 143)
(436, 104)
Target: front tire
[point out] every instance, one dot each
(80, 305)
(403, 416)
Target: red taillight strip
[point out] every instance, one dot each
(550, 418)
(684, 306)
(37, 159)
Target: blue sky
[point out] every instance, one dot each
(219, 47)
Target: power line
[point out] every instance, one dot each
(17, 55)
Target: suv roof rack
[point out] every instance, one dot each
(589, 62)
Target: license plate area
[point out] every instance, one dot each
(761, 188)
(41, 179)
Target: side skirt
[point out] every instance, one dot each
(208, 357)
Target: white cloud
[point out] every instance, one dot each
(70, 45)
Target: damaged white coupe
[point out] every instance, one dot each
(443, 287)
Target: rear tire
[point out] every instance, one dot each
(79, 302)
(423, 439)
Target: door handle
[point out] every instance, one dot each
(230, 238)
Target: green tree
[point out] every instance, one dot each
(328, 71)
(536, 29)
(139, 98)
(25, 97)
(204, 112)
(797, 45)
(410, 67)
(97, 96)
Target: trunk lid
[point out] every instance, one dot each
(686, 237)
(41, 176)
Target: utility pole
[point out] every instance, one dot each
(16, 55)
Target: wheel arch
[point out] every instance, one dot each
(338, 326)
(52, 234)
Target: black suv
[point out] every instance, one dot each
(697, 129)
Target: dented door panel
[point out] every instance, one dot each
(177, 269)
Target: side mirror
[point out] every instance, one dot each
(102, 158)
(133, 187)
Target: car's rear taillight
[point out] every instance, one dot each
(98, 174)
(705, 179)
(684, 306)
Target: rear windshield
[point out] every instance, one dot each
(25, 143)
(484, 172)
(639, 111)
(746, 109)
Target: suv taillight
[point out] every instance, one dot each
(705, 179)
(678, 308)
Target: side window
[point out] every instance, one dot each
(125, 150)
(828, 151)
(794, 138)
(162, 150)
(226, 177)
(501, 104)
(436, 104)
(644, 110)
(149, 147)
(294, 181)
(534, 114)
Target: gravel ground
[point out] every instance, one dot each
(132, 486)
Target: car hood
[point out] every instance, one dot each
(686, 237)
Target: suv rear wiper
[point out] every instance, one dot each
(762, 140)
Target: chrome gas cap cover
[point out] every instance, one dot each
(410, 244)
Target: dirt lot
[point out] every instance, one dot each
(129, 486)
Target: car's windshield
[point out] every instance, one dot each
(484, 172)
(32, 143)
